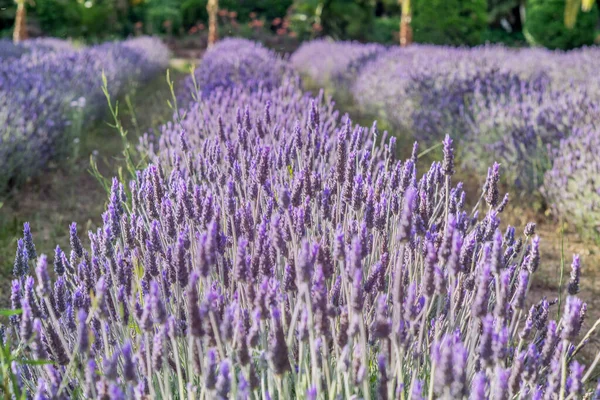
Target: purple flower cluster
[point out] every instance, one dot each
(274, 249)
(235, 62)
(329, 63)
(42, 91)
(572, 186)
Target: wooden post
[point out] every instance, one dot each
(212, 7)
(406, 34)
(20, 31)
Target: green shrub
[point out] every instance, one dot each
(60, 18)
(545, 25)
(193, 11)
(340, 19)
(7, 14)
(268, 9)
(95, 21)
(158, 15)
(449, 22)
(385, 30)
(500, 36)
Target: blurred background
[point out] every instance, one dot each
(555, 24)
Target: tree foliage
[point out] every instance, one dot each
(449, 22)
(545, 25)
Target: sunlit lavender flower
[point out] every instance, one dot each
(572, 318)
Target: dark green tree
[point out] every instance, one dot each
(545, 25)
(340, 19)
(449, 22)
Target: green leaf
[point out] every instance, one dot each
(8, 313)
(36, 362)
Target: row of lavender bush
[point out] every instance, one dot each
(48, 86)
(235, 62)
(334, 65)
(10, 49)
(505, 105)
(275, 250)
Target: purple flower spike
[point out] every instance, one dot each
(21, 266)
(83, 340)
(44, 287)
(448, 163)
(278, 352)
(572, 318)
(29, 246)
(404, 230)
(573, 287)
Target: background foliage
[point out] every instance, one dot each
(545, 25)
(447, 22)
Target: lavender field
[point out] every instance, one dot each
(350, 221)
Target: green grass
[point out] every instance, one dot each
(67, 191)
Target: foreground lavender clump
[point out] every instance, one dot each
(259, 260)
(235, 62)
(335, 64)
(43, 92)
(572, 186)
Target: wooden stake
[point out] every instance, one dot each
(212, 7)
(20, 31)
(406, 34)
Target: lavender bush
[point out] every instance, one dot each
(522, 126)
(235, 62)
(274, 250)
(333, 64)
(42, 91)
(572, 186)
(423, 89)
(504, 105)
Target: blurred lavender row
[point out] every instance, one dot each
(45, 89)
(274, 249)
(333, 64)
(235, 62)
(8, 49)
(573, 183)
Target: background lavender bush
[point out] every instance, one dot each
(47, 44)
(572, 186)
(503, 105)
(9, 49)
(43, 91)
(273, 249)
(235, 62)
(421, 89)
(520, 127)
(332, 64)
